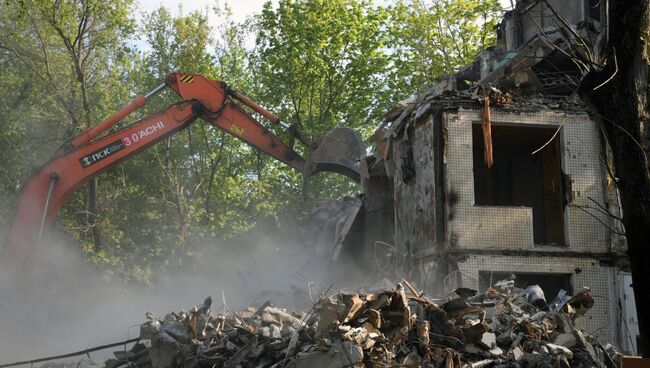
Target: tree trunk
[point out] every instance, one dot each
(620, 105)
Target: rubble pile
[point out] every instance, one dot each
(400, 327)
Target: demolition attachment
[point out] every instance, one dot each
(95, 150)
(338, 151)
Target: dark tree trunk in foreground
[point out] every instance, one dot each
(621, 107)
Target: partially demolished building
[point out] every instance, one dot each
(498, 172)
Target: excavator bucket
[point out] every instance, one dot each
(337, 151)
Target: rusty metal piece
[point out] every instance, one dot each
(339, 152)
(487, 133)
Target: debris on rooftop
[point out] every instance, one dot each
(397, 327)
(412, 110)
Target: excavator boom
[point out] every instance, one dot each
(86, 156)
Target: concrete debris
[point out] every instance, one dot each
(324, 230)
(411, 112)
(396, 327)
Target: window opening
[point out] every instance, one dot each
(594, 9)
(551, 283)
(519, 178)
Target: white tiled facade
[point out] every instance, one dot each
(583, 271)
(500, 227)
(498, 238)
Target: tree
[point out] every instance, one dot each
(433, 38)
(618, 96)
(320, 63)
(68, 47)
(194, 188)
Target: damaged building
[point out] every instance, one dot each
(498, 172)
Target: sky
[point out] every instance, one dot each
(240, 8)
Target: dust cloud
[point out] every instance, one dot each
(58, 303)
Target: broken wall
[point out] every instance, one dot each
(419, 200)
(449, 235)
(523, 24)
(539, 15)
(602, 280)
(461, 224)
(374, 225)
(414, 189)
(510, 227)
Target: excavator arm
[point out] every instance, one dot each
(86, 156)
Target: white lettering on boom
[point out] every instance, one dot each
(136, 137)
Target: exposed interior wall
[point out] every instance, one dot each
(551, 283)
(524, 24)
(629, 325)
(376, 219)
(475, 226)
(437, 156)
(414, 185)
(582, 271)
(540, 15)
(520, 178)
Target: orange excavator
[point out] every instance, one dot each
(91, 153)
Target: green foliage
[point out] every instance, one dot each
(320, 63)
(60, 56)
(433, 38)
(69, 64)
(177, 43)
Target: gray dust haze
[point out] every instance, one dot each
(57, 303)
